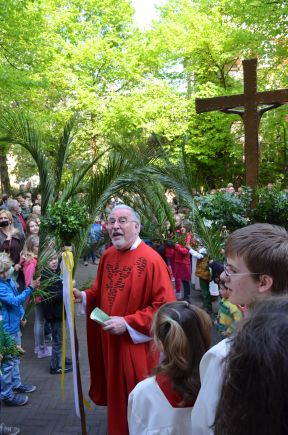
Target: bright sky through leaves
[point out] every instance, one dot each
(144, 11)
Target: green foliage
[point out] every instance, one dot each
(274, 128)
(150, 202)
(209, 136)
(8, 346)
(10, 352)
(272, 206)
(226, 209)
(64, 220)
(235, 211)
(18, 129)
(209, 236)
(58, 57)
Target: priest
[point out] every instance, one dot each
(131, 284)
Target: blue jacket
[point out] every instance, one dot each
(12, 310)
(95, 234)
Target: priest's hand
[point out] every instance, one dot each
(116, 325)
(78, 297)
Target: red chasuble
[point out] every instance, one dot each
(132, 284)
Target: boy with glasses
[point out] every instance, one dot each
(257, 266)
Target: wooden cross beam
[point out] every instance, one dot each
(250, 106)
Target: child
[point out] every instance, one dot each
(8, 349)
(28, 258)
(52, 309)
(28, 262)
(228, 314)
(162, 404)
(12, 314)
(202, 272)
(254, 396)
(182, 270)
(257, 265)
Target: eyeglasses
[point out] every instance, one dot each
(229, 273)
(121, 221)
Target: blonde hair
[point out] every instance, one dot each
(8, 214)
(10, 220)
(5, 262)
(183, 331)
(30, 242)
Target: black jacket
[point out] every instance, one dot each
(52, 304)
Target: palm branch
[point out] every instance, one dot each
(150, 202)
(209, 237)
(118, 172)
(62, 152)
(179, 178)
(17, 129)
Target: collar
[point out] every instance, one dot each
(135, 244)
(175, 399)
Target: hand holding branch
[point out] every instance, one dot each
(78, 297)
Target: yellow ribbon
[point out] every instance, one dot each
(69, 263)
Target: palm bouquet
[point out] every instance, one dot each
(8, 346)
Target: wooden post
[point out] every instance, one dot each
(250, 105)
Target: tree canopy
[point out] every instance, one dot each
(58, 57)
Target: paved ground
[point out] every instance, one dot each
(46, 413)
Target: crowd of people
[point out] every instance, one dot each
(19, 244)
(151, 362)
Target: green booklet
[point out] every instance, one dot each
(99, 316)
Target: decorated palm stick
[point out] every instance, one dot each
(67, 268)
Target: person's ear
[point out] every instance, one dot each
(265, 283)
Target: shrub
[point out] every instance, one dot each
(272, 206)
(227, 209)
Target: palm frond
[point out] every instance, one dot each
(120, 173)
(17, 129)
(79, 244)
(151, 203)
(73, 185)
(173, 177)
(41, 292)
(177, 177)
(209, 237)
(62, 152)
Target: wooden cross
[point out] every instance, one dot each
(246, 105)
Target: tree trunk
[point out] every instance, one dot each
(4, 176)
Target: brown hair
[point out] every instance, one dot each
(184, 332)
(254, 397)
(264, 248)
(32, 218)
